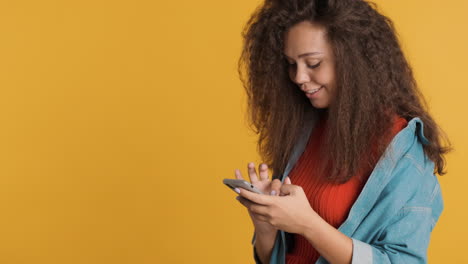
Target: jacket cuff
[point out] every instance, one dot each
(362, 252)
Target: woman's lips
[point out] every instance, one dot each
(314, 93)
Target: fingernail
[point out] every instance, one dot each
(273, 192)
(237, 190)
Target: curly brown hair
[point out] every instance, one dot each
(374, 82)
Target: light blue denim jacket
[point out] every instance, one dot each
(392, 219)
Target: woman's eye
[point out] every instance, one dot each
(314, 66)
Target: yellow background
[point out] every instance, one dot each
(119, 120)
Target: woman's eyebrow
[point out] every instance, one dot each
(305, 54)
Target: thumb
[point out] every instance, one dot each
(287, 180)
(287, 189)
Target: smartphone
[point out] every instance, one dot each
(236, 183)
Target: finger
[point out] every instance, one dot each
(288, 189)
(255, 197)
(238, 174)
(244, 202)
(275, 187)
(252, 173)
(254, 208)
(263, 171)
(287, 180)
(257, 209)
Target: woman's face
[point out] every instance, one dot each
(311, 62)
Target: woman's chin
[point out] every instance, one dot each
(319, 104)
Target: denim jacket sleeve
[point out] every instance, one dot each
(405, 238)
(404, 241)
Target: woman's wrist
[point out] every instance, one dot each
(310, 227)
(333, 245)
(265, 231)
(263, 245)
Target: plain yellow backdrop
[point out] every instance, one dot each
(119, 120)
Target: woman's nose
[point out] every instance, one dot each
(301, 76)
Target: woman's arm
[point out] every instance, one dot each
(263, 245)
(333, 245)
(265, 233)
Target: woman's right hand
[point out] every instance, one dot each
(262, 182)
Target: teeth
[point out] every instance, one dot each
(313, 91)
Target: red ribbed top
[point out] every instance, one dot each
(331, 201)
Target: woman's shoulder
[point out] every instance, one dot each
(410, 167)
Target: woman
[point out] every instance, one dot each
(352, 147)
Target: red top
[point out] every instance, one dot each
(331, 201)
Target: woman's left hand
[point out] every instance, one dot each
(290, 212)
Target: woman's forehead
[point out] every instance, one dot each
(305, 37)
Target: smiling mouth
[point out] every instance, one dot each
(314, 90)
